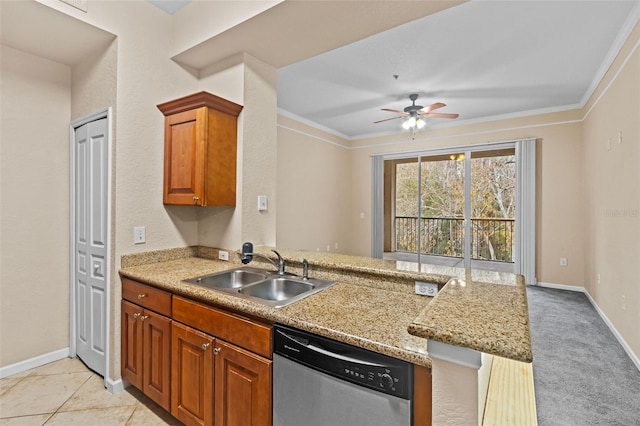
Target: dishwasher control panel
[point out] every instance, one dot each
(356, 365)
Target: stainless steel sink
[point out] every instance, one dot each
(261, 286)
(277, 289)
(230, 279)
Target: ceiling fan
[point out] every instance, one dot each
(414, 113)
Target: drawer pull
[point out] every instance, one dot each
(142, 296)
(216, 351)
(205, 346)
(136, 315)
(144, 317)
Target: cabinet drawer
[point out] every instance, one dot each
(149, 297)
(251, 335)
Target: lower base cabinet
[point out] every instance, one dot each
(191, 375)
(205, 365)
(242, 387)
(146, 352)
(216, 383)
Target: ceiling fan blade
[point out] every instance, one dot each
(440, 115)
(387, 119)
(393, 110)
(431, 107)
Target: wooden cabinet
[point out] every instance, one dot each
(146, 340)
(241, 378)
(205, 365)
(192, 376)
(200, 144)
(242, 387)
(216, 383)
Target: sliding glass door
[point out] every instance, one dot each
(452, 208)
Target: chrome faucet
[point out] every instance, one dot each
(305, 269)
(247, 256)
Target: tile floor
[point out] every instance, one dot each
(65, 392)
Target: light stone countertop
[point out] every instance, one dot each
(371, 318)
(488, 317)
(372, 305)
(476, 309)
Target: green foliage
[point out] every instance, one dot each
(441, 201)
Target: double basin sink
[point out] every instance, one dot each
(268, 288)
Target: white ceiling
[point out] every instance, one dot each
(484, 59)
(40, 30)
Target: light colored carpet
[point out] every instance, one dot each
(582, 374)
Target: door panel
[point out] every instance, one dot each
(131, 346)
(191, 375)
(243, 387)
(91, 186)
(157, 367)
(81, 308)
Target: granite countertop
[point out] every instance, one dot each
(482, 310)
(488, 317)
(371, 318)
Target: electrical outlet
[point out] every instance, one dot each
(223, 255)
(563, 261)
(426, 289)
(139, 235)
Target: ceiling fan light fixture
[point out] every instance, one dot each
(410, 123)
(420, 123)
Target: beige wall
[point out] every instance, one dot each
(341, 177)
(34, 206)
(588, 196)
(133, 75)
(314, 184)
(612, 197)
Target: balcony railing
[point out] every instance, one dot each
(491, 239)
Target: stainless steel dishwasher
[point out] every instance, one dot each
(322, 382)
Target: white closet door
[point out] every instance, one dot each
(91, 185)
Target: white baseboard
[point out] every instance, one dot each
(562, 286)
(606, 320)
(38, 361)
(114, 386)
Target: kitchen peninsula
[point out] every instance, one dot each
(371, 306)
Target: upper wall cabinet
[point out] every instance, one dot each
(200, 143)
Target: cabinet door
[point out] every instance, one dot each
(184, 157)
(131, 345)
(157, 357)
(242, 387)
(191, 375)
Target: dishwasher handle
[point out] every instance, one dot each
(296, 345)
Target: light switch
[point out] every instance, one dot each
(262, 203)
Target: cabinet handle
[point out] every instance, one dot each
(144, 317)
(142, 296)
(205, 346)
(136, 315)
(216, 351)
(195, 199)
